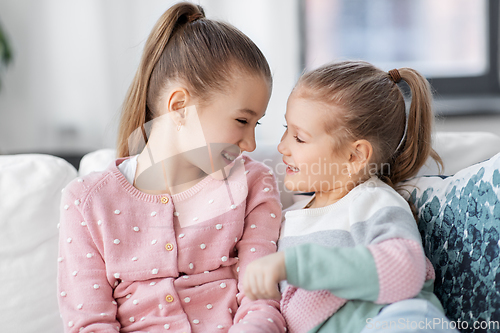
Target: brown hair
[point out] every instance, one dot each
(373, 108)
(185, 46)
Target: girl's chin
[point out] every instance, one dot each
(291, 184)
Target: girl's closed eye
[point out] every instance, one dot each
(298, 139)
(244, 122)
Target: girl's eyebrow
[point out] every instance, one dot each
(298, 129)
(250, 112)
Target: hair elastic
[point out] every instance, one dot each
(195, 17)
(395, 76)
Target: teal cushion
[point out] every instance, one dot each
(459, 220)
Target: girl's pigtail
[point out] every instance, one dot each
(417, 144)
(135, 109)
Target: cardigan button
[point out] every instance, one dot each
(164, 200)
(169, 247)
(169, 298)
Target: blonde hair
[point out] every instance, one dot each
(185, 46)
(372, 107)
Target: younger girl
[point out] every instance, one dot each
(354, 247)
(157, 242)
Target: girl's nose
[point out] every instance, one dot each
(248, 143)
(282, 145)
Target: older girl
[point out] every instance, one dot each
(352, 249)
(157, 242)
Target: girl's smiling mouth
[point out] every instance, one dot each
(228, 157)
(291, 169)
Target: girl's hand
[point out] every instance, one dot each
(262, 277)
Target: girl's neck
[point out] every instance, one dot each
(326, 198)
(170, 175)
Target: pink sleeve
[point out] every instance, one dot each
(401, 268)
(305, 309)
(84, 293)
(430, 274)
(261, 231)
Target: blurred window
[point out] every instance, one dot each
(454, 43)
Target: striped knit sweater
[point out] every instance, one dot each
(347, 260)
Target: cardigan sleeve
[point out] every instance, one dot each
(261, 232)
(84, 294)
(387, 264)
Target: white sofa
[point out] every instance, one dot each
(30, 191)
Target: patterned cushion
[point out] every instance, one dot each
(459, 220)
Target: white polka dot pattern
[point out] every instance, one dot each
(139, 240)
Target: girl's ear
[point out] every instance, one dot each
(361, 154)
(178, 100)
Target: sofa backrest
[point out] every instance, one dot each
(30, 189)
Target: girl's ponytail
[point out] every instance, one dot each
(135, 109)
(416, 146)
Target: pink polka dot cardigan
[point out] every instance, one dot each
(134, 262)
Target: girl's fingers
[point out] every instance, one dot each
(253, 288)
(272, 287)
(261, 285)
(259, 281)
(248, 284)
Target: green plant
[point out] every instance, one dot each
(5, 52)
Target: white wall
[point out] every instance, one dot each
(74, 61)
